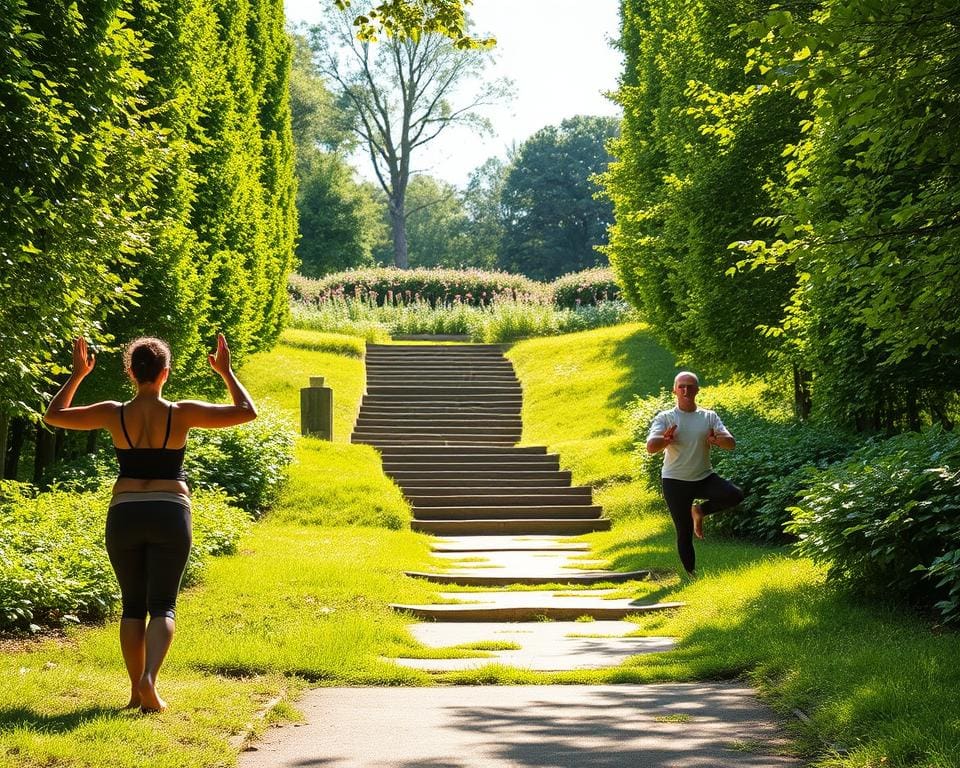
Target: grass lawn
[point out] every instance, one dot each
(304, 600)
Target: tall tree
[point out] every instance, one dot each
(554, 221)
(400, 94)
(436, 224)
(485, 217)
(870, 213)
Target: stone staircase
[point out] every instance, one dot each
(446, 419)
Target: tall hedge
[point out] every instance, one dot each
(148, 183)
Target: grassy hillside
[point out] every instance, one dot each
(877, 682)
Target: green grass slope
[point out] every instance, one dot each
(882, 688)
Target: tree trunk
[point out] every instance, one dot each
(59, 444)
(802, 402)
(4, 430)
(398, 228)
(11, 464)
(43, 453)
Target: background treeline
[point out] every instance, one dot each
(148, 189)
(535, 213)
(786, 196)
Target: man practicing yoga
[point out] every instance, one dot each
(685, 434)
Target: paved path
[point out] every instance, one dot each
(624, 726)
(445, 420)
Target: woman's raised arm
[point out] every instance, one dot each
(197, 413)
(60, 412)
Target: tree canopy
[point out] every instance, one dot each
(553, 221)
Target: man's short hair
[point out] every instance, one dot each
(686, 373)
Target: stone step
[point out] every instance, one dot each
(554, 493)
(550, 460)
(435, 431)
(460, 391)
(503, 477)
(510, 527)
(508, 546)
(498, 348)
(433, 440)
(403, 451)
(429, 410)
(440, 379)
(498, 367)
(532, 606)
(487, 463)
(475, 485)
(517, 499)
(463, 401)
(467, 422)
(484, 512)
(486, 580)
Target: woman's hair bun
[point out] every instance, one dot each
(146, 357)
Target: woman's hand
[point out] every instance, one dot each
(220, 360)
(83, 360)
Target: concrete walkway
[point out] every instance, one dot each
(624, 726)
(445, 420)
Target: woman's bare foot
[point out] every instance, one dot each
(150, 700)
(698, 516)
(134, 699)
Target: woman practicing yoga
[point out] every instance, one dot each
(148, 525)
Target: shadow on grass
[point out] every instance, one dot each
(29, 719)
(647, 365)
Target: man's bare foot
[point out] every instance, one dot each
(150, 701)
(698, 516)
(134, 701)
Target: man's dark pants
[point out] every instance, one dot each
(680, 494)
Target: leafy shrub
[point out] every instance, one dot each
(771, 464)
(602, 315)
(887, 519)
(248, 462)
(389, 285)
(586, 288)
(54, 567)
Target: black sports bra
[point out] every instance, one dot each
(151, 463)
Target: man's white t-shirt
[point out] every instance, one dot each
(688, 457)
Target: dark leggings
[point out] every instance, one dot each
(680, 494)
(148, 543)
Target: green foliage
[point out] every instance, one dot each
(698, 152)
(553, 221)
(340, 219)
(503, 320)
(387, 285)
(436, 225)
(54, 568)
(591, 286)
(248, 463)
(887, 520)
(148, 184)
(866, 214)
(639, 416)
(772, 463)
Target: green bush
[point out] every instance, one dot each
(887, 520)
(389, 285)
(248, 462)
(586, 288)
(54, 567)
(771, 464)
(639, 416)
(602, 315)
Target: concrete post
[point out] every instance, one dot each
(316, 410)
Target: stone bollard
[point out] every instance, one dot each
(316, 410)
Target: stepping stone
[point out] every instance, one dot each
(679, 725)
(531, 606)
(502, 567)
(546, 646)
(507, 543)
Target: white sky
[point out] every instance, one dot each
(556, 52)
